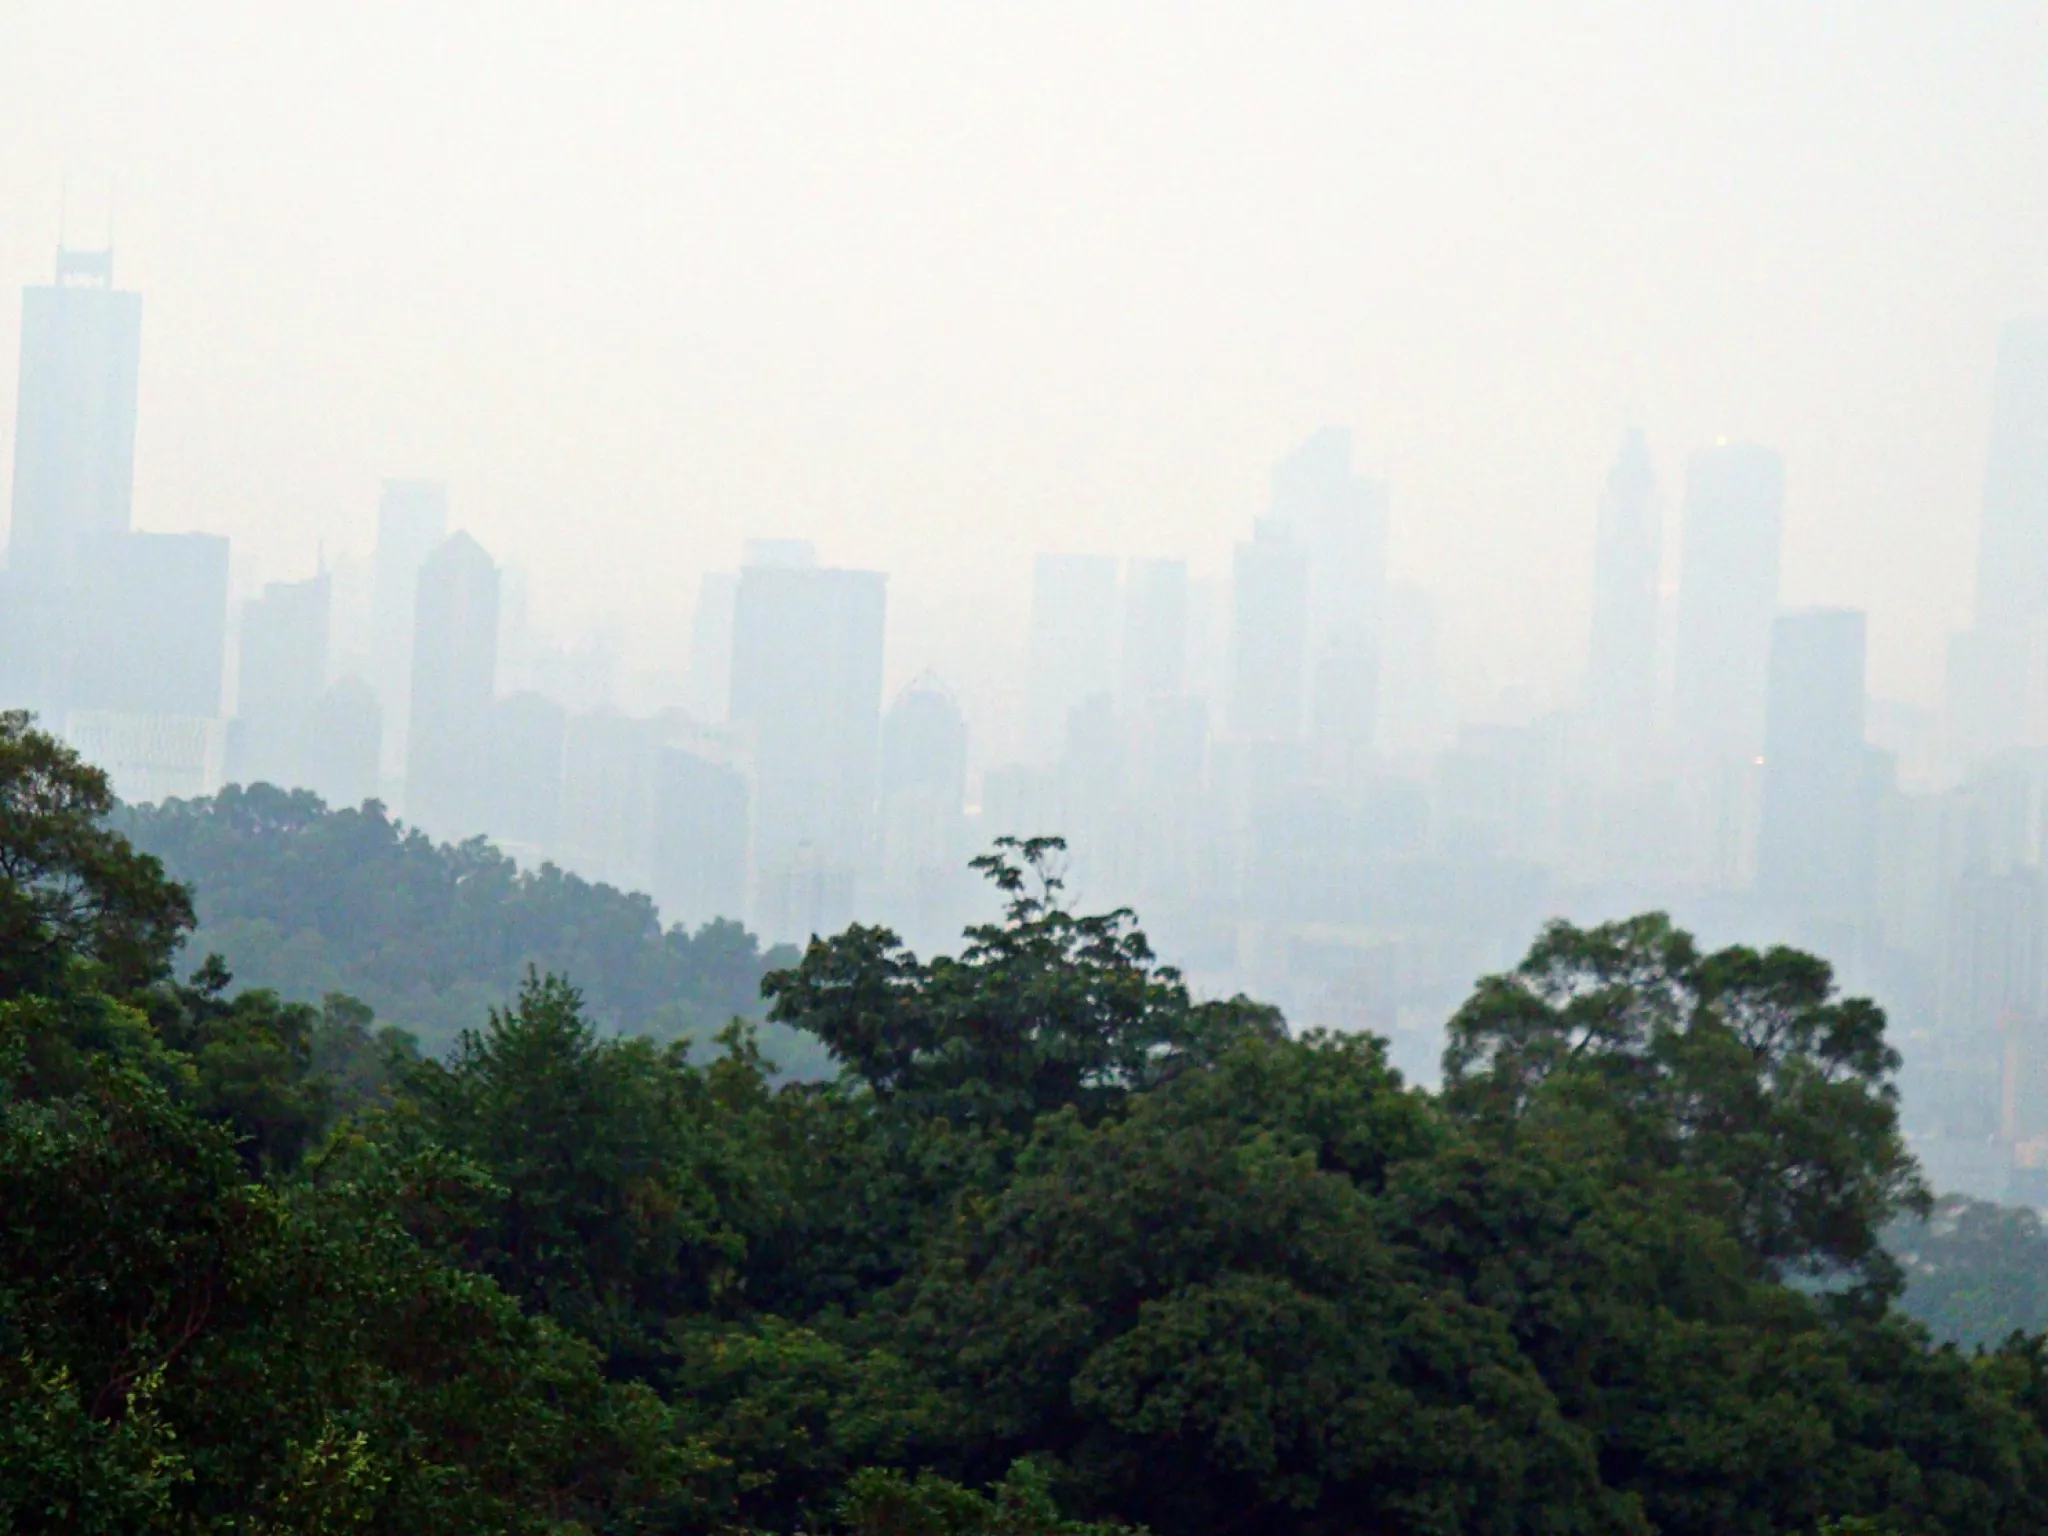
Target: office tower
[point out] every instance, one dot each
(699, 838)
(283, 674)
(74, 425)
(2012, 548)
(1155, 643)
(711, 646)
(923, 812)
(1413, 716)
(1339, 519)
(37, 626)
(807, 688)
(154, 636)
(1998, 669)
(454, 675)
(343, 748)
(1727, 596)
(1269, 634)
(1621, 655)
(412, 522)
(1990, 990)
(1814, 846)
(525, 736)
(1073, 644)
(608, 798)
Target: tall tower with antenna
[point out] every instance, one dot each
(74, 440)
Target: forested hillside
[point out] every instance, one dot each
(308, 900)
(1061, 1250)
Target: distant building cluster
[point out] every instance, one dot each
(1263, 765)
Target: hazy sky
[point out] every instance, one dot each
(941, 286)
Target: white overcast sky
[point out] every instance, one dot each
(944, 285)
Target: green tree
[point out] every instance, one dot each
(71, 890)
(1744, 1069)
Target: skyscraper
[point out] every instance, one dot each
(1155, 640)
(342, 743)
(711, 645)
(1073, 646)
(1815, 844)
(283, 674)
(1727, 596)
(412, 521)
(2012, 548)
(1269, 634)
(1998, 669)
(1621, 660)
(155, 610)
(1339, 519)
(807, 687)
(454, 675)
(74, 438)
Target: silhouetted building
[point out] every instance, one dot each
(608, 798)
(1727, 596)
(807, 688)
(74, 433)
(1154, 654)
(1998, 669)
(343, 748)
(1621, 660)
(283, 672)
(1269, 635)
(412, 522)
(454, 673)
(699, 838)
(1339, 519)
(1073, 644)
(2012, 547)
(1815, 844)
(711, 646)
(923, 813)
(154, 635)
(526, 735)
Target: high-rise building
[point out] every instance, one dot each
(923, 812)
(283, 672)
(74, 437)
(1815, 844)
(454, 676)
(807, 690)
(1269, 635)
(699, 838)
(343, 743)
(412, 522)
(1727, 597)
(525, 736)
(711, 646)
(1998, 669)
(1155, 641)
(608, 769)
(1073, 645)
(154, 637)
(1621, 660)
(1339, 519)
(2012, 548)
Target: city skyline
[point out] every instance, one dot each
(1417, 228)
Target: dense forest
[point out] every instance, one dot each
(1059, 1248)
(307, 901)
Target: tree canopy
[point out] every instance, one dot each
(1060, 1250)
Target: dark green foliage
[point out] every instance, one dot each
(1975, 1273)
(1041, 1011)
(1743, 1070)
(1062, 1252)
(305, 901)
(71, 890)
